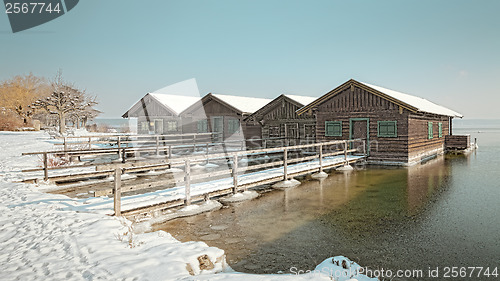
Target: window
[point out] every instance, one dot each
(429, 130)
(203, 126)
(274, 132)
(333, 128)
(387, 129)
(440, 128)
(144, 126)
(233, 126)
(171, 126)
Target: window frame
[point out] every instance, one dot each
(169, 122)
(274, 132)
(440, 129)
(202, 126)
(430, 130)
(231, 124)
(387, 135)
(334, 133)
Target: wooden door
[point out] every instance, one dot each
(218, 127)
(359, 129)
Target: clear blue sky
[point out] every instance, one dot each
(445, 51)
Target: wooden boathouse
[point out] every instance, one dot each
(399, 128)
(223, 114)
(280, 123)
(157, 113)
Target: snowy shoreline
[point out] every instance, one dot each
(46, 237)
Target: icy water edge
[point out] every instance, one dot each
(443, 213)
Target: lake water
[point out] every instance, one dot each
(444, 213)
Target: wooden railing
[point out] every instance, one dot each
(234, 170)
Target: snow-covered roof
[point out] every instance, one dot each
(420, 103)
(413, 103)
(176, 103)
(304, 100)
(243, 104)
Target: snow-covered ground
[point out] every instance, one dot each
(48, 237)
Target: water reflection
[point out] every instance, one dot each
(377, 216)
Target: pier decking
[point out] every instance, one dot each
(169, 182)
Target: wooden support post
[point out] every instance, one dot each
(242, 144)
(157, 146)
(169, 151)
(194, 143)
(65, 145)
(90, 142)
(45, 167)
(187, 182)
(364, 148)
(345, 151)
(118, 142)
(235, 174)
(321, 158)
(285, 164)
(124, 155)
(117, 191)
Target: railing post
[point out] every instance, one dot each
(65, 145)
(169, 151)
(45, 167)
(117, 191)
(345, 151)
(90, 142)
(194, 143)
(242, 144)
(364, 148)
(285, 164)
(235, 174)
(157, 146)
(187, 182)
(118, 142)
(321, 158)
(124, 155)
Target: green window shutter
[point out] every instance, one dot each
(233, 126)
(333, 128)
(429, 130)
(387, 129)
(440, 129)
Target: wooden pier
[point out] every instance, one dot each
(182, 180)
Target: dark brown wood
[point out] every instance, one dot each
(117, 192)
(457, 142)
(360, 110)
(187, 182)
(45, 167)
(235, 174)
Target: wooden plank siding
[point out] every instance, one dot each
(280, 115)
(411, 144)
(354, 104)
(207, 109)
(148, 110)
(420, 146)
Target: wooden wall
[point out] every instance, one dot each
(148, 110)
(420, 146)
(412, 143)
(281, 114)
(210, 107)
(354, 103)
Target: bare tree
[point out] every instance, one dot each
(65, 101)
